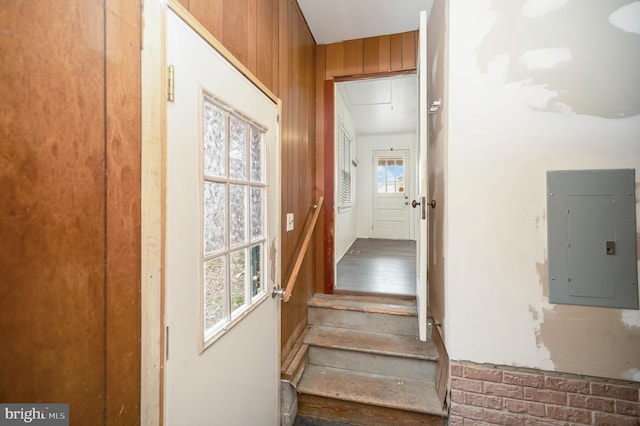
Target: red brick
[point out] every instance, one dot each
(486, 374)
(466, 411)
(456, 370)
(604, 419)
(455, 421)
(591, 402)
(525, 407)
(628, 408)
(523, 379)
(499, 389)
(502, 418)
(567, 385)
(457, 396)
(629, 393)
(528, 421)
(569, 414)
(485, 401)
(458, 383)
(545, 395)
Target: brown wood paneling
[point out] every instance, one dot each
(209, 13)
(235, 28)
(396, 52)
(335, 60)
(320, 57)
(353, 57)
(123, 212)
(329, 186)
(266, 44)
(185, 3)
(252, 31)
(52, 180)
(371, 55)
(385, 53)
(409, 49)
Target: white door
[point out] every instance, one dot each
(391, 211)
(222, 241)
(422, 246)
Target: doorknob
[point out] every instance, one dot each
(414, 204)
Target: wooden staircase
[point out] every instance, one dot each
(360, 362)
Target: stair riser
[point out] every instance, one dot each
(367, 321)
(409, 368)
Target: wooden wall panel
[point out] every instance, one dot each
(209, 13)
(409, 50)
(123, 212)
(52, 180)
(396, 52)
(353, 57)
(235, 27)
(334, 60)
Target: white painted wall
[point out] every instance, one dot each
(346, 220)
(533, 86)
(366, 144)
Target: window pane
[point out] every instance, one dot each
(214, 216)
(256, 269)
(215, 148)
(256, 155)
(238, 212)
(382, 175)
(257, 218)
(237, 149)
(238, 279)
(214, 277)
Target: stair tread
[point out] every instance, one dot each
(371, 342)
(374, 304)
(372, 389)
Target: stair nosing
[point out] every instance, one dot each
(309, 340)
(342, 374)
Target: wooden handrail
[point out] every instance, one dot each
(303, 250)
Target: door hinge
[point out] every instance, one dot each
(170, 84)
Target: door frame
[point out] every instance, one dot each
(328, 159)
(154, 92)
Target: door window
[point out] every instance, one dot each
(233, 216)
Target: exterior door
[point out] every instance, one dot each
(422, 246)
(222, 241)
(390, 195)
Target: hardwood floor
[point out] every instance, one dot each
(378, 266)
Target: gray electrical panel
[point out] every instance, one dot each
(592, 238)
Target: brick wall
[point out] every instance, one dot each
(484, 394)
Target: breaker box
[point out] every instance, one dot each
(591, 225)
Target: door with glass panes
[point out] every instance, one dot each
(391, 211)
(222, 241)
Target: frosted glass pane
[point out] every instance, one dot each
(257, 159)
(256, 270)
(214, 277)
(214, 216)
(238, 212)
(238, 149)
(257, 217)
(215, 147)
(238, 278)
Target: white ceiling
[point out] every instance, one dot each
(331, 21)
(382, 106)
(376, 106)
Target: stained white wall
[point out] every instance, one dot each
(346, 220)
(366, 145)
(533, 85)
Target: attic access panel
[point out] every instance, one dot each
(592, 238)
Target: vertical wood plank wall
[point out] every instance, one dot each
(271, 38)
(69, 210)
(368, 57)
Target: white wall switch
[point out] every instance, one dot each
(289, 222)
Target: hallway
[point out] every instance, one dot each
(378, 266)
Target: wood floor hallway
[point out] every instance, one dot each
(378, 266)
